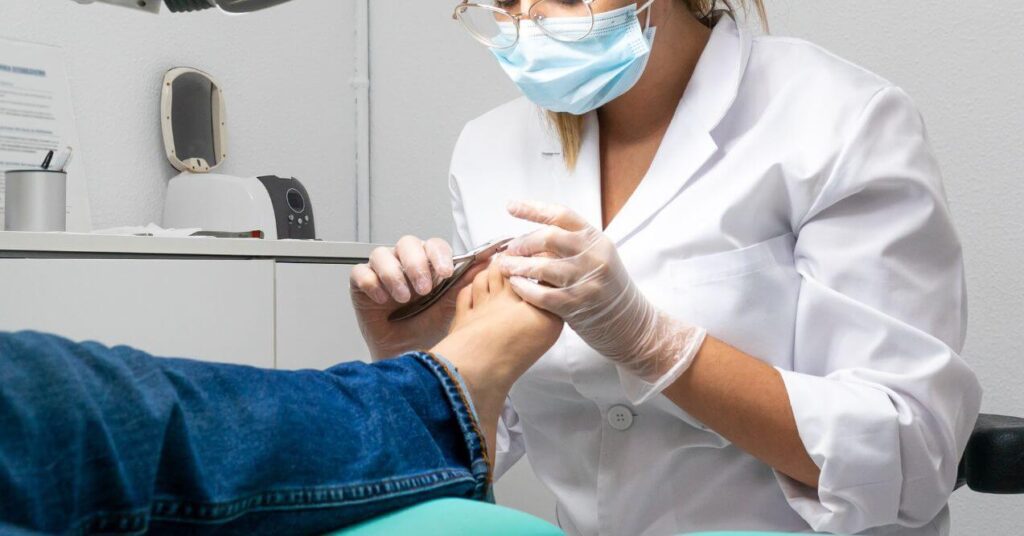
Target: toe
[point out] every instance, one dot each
(495, 280)
(464, 301)
(463, 306)
(480, 291)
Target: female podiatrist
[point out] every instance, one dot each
(750, 241)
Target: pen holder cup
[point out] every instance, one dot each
(35, 200)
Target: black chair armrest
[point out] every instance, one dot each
(994, 459)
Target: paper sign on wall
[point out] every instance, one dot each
(36, 116)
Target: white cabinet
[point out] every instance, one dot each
(268, 303)
(216, 310)
(316, 325)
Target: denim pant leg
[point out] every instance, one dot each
(96, 439)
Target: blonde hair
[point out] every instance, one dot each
(570, 127)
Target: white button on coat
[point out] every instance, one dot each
(620, 418)
(794, 210)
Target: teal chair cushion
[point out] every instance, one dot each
(739, 533)
(454, 517)
(459, 517)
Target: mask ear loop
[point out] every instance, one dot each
(646, 6)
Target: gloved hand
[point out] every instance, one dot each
(390, 280)
(574, 271)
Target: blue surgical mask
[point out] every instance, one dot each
(580, 76)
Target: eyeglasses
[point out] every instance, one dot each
(491, 24)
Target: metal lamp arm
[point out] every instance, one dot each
(180, 6)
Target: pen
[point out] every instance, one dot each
(48, 159)
(64, 159)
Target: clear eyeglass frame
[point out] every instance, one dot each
(533, 14)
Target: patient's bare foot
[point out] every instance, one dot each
(495, 337)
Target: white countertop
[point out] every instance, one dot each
(16, 245)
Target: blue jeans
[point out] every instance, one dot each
(112, 440)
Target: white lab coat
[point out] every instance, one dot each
(794, 210)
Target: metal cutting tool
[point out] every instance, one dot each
(463, 264)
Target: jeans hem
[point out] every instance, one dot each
(480, 463)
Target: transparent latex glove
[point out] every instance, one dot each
(574, 271)
(392, 278)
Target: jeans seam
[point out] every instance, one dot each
(464, 398)
(479, 450)
(299, 499)
(134, 521)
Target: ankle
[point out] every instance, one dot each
(488, 383)
(479, 361)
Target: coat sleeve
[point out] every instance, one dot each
(510, 444)
(883, 402)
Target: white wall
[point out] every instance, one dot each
(428, 77)
(285, 73)
(962, 63)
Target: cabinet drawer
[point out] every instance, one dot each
(215, 310)
(316, 326)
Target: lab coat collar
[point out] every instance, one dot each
(688, 142)
(715, 83)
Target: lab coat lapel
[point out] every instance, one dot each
(688, 143)
(684, 150)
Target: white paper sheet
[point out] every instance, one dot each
(151, 229)
(36, 116)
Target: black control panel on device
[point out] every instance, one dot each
(293, 210)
